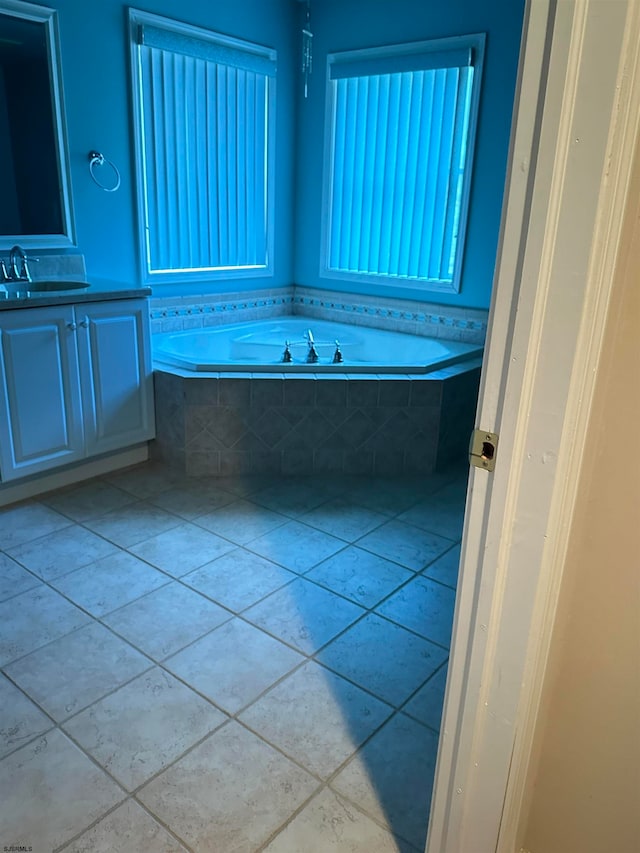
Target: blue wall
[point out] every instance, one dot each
(350, 24)
(95, 66)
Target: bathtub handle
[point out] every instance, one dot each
(337, 356)
(287, 358)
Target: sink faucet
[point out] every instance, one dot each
(18, 265)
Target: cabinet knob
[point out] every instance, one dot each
(85, 323)
(72, 326)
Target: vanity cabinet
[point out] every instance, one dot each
(76, 381)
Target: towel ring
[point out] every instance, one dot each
(95, 158)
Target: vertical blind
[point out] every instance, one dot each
(399, 150)
(205, 113)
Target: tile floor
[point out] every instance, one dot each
(224, 665)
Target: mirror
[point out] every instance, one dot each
(34, 174)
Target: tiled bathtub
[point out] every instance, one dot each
(298, 424)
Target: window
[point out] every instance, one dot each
(204, 120)
(401, 125)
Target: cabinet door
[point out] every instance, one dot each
(116, 374)
(40, 409)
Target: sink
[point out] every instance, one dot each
(52, 286)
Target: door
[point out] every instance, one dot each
(40, 409)
(117, 382)
(576, 124)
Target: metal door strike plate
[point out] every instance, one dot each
(482, 449)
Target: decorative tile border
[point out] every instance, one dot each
(170, 314)
(417, 318)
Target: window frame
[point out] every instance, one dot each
(138, 19)
(380, 283)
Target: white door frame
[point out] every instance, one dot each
(575, 130)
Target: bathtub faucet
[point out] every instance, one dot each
(312, 353)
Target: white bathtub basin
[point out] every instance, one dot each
(259, 346)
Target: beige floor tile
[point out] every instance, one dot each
(406, 544)
(182, 549)
(233, 664)
(445, 568)
(89, 500)
(241, 522)
(359, 575)
(14, 579)
(72, 672)
(369, 654)
(392, 776)
(344, 519)
(183, 615)
(423, 606)
(34, 618)
(51, 792)
(143, 726)
(133, 523)
(28, 521)
(296, 546)
(426, 706)
(304, 615)
(316, 717)
(128, 829)
(193, 498)
(146, 480)
(331, 823)
(110, 583)
(62, 552)
(238, 579)
(230, 793)
(21, 720)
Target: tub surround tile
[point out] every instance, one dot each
(181, 549)
(143, 726)
(238, 579)
(183, 613)
(110, 583)
(331, 823)
(22, 721)
(69, 790)
(70, 673)
(14, 579)
(33, 619)
(304, 615)
(350, 655)
(233, 665)
(28, 521)
(128, 828)
(423, 606)
(62, 552)
(360, 576)
(243, 776)
(316, 718)
(391, 778)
